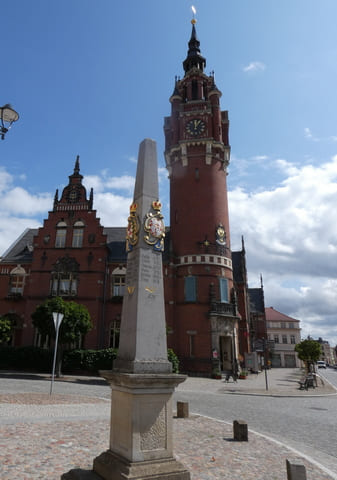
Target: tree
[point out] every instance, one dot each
(309, 351)
(75, 324)
(5, 329)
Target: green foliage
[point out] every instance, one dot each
(308, 350)
(76, 321)
(26, 358)
(5, 329)
(172, 357)
(88, 360)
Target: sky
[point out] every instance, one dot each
(94, 79)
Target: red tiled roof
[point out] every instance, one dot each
(272, 314)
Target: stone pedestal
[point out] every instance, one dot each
(141, 428)
(141, 382)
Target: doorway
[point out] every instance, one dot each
(226, 354)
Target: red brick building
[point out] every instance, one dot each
(208, 310)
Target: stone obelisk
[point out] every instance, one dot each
(141, 380)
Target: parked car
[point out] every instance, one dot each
(321, 364)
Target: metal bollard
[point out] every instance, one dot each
(182, 409)
(296, 471)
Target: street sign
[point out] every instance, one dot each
(57, 317)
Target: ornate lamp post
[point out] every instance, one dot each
(7, 117)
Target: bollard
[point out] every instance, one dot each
(182, 409)
(240, 429)
(296, 471)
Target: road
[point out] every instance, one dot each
(307, 424)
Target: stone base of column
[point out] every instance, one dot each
(110, 466)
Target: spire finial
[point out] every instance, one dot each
(77, 165)
(194, 57)
(194, 11)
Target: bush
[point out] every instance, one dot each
(88, 360)
(174, 360)
(26, 358)
(74, 361)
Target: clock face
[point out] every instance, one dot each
(195, 127)
(73, 195)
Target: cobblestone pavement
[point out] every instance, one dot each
(43, 436)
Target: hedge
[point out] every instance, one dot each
(74, 361)
(88, 360)
(26, 358)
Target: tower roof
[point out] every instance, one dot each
(194, 57)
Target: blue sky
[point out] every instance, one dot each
(94, 79)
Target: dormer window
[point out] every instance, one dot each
(61, 234)
(118, 282)
(17, 280)
(78, 230)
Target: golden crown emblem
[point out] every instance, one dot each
(133, 208)
(156, 205)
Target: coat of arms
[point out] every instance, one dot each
(155, 228)
(132, 230)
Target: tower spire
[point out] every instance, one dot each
(194, 57)
(77, 165)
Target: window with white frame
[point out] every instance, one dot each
(115, 327)
(284, 339)
(64, 277)
(78, 232)
(118, 282)
(61, 234)
(276, 338)
(17, 280)
(292, 339)
(64, 284)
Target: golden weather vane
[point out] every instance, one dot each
(194, 11)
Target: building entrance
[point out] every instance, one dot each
(226, 353)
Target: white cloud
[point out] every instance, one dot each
(103, 182)
(113, 210)
(254, 67)
(289, 231)
(290, 234)
(308, 134)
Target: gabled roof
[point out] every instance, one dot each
(21, 251)
(274, 315)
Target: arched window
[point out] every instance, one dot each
(61, 234)
(64, 277)
(78, 231)
(118, 282)
(17, 280)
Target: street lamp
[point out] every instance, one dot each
(7, 117)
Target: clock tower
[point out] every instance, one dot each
(201, 302)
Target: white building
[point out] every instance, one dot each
(285, 332)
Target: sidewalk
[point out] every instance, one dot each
(41, 441)
(276, 382)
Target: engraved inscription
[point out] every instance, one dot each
(146, 268)
(131, 272)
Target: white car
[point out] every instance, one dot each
(321, 364)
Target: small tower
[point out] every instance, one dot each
(202, 311)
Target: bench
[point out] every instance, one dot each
(308, 381)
